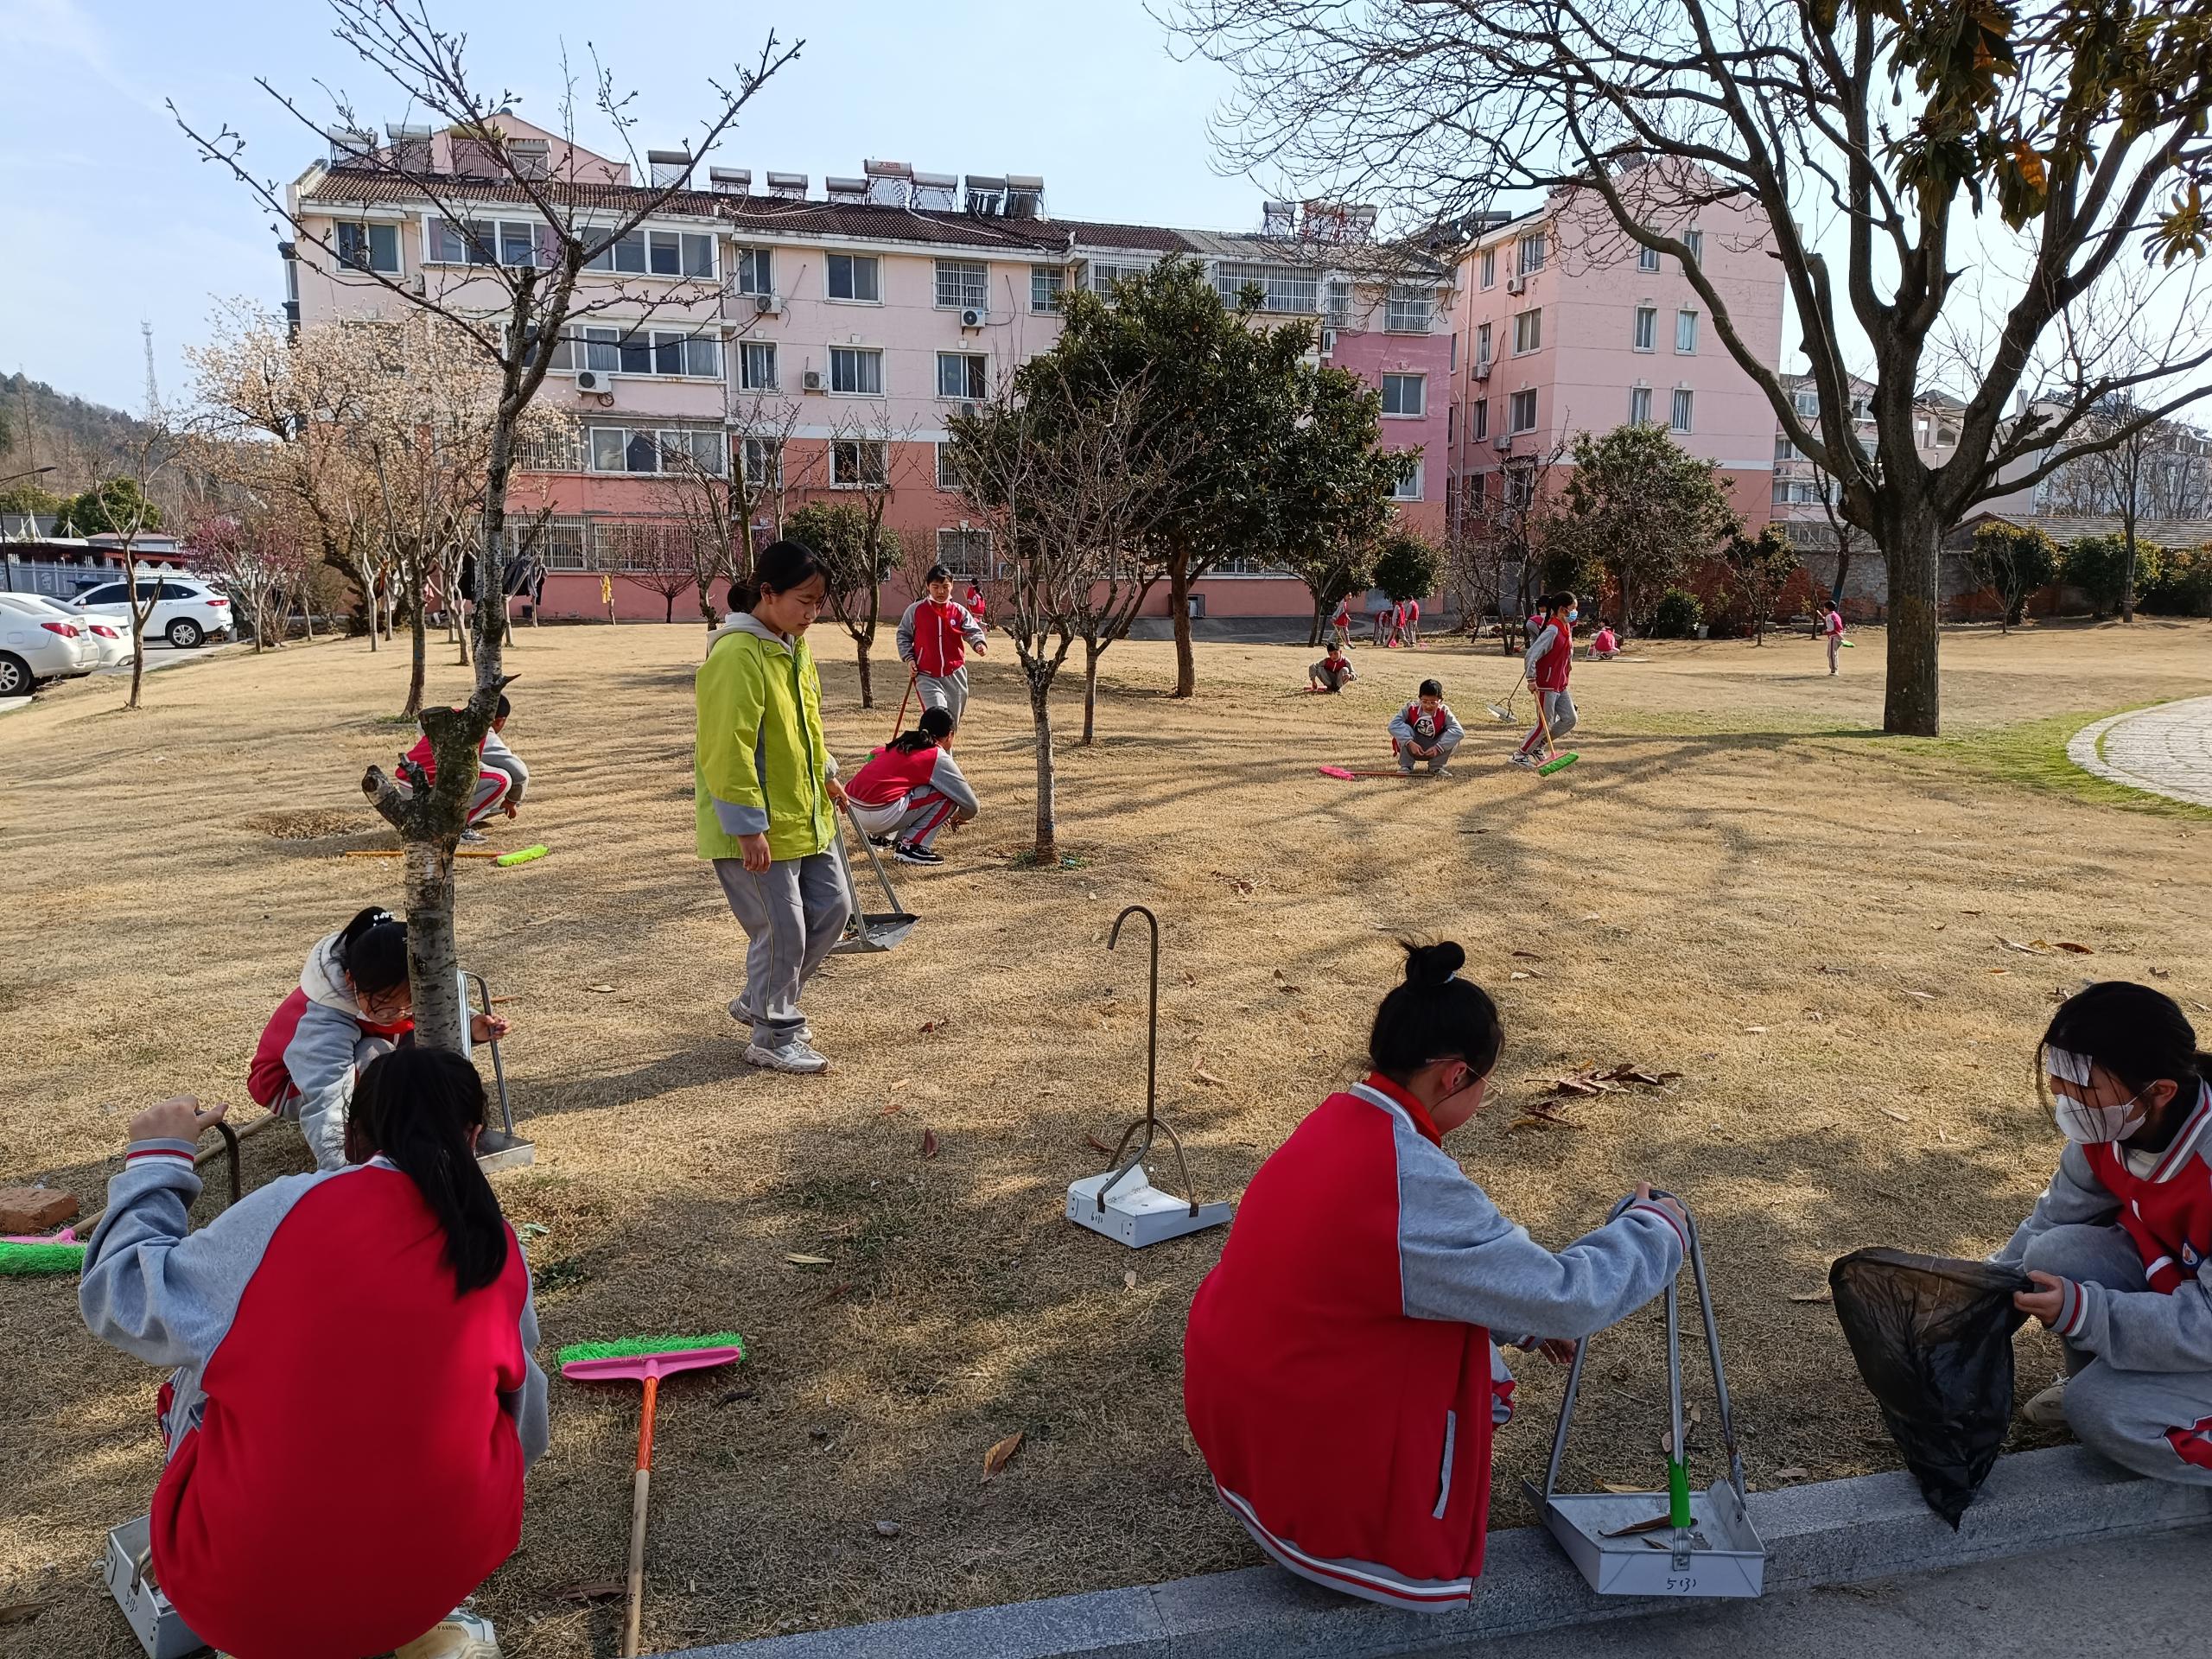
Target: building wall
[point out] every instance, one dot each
(1370, 354)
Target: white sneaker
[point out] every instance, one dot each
(743, 1015)
(462, 1634)
(797, 1057)
(472, 837)
(1522, 757)
(2048, 1408)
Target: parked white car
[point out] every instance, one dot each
(110, 638)
(37, 645)
(187, 612)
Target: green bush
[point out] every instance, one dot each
(2098, 566)
(1677, 614)
(2184, 584)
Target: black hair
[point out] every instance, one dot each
(2139, 1035)
(1434, 1015)
(777, 569)
(416, 1106)
(1430, 689)
(505, 707)
(1562, 600)
(372, 950)
(931, 730)
(938, 573)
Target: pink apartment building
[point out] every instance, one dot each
(846, 327)
(1563, 325)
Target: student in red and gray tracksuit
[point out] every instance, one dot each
(1340, 624)
(500, 775)
(1832, 631)
(1340, 1373)
(1410, 629)
(353, 1399)
(978, 606)
(912, 788)
(934, 638)
(1549, 661)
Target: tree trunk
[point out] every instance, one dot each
(1090, 655)
(137, 652)
(1046, 855)
(1178, 600)
(362, 574)
(868, 677)
(433, 956)
(2127, 578)
(1313, 634)
(668, 612)
(420, 639)
(1912, 704)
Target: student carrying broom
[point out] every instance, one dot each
(1549, 661)
(1340, 1372)
(353, 1399)
(767, 795)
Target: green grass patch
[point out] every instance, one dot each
(2032, 755)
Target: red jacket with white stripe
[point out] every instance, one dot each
(1339, 1374)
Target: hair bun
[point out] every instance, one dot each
(1432, 964)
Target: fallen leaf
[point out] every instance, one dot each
(894, 1108)
(1001, 1454)
(1527, 1122)
(1201, 1075)
(1530, 955)
(602, 989)
(1793, 1473)
(531, 1230)
(1634, 1526)
(902, 1083)
(1755, 1031)
(1892, 1112)
(2000, 971)
(2161, 973)
(1969, 913)
(1812, 1295)
(1100, 1145)
(590, 1590)
(887, 1528)
(1518, 974)
(929, 1025)
(1593, 917)
(2025, 950)
(1925, 996)
(1940, 926)
(2077, 949)
(1129, 1279)
(799, 1261)
(1624, 1491)
(928, 1145)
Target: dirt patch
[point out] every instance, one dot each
(1741, 882)
(311, 825)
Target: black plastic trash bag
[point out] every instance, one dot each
(1933, 1337)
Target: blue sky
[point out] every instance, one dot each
(110, 221)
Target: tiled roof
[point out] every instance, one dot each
(2166, 532)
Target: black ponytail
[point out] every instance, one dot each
(1434, 1015)
(416, 1106)
(2138, 1034)
(931, 730)
(777, 569)
(372, 950)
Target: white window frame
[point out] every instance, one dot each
(687, 439)
(1482, 345)
(749, 351)
(1489, 267)
(1643, 333)
(976, 373)
(956, 555)
(1513, 422)
(1693, 240)
(1479, 420)
(1531, 253)
(1647, 258)
(1639, 405)
(883, 454)
(856, 353)
(1408, 488)
(853, 262)
(969, 282)
(1409, 310)
(488, 235)
(367, 229)
(1681, 410)
(1419, 384)
(648, 246)
(1049, 283)
(1104, 273)
(1285, 290)
(764, 462)
(1529, 331)
(1686, 333)
(948, 482)
(756, 271)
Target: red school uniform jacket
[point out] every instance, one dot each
(1558, 660)
(891, 775)
(1339, 1376)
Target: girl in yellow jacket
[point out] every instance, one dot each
(767, 797)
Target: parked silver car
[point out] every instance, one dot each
(37, 645)
(110, 638)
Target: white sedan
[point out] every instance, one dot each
(187, 611)
(35, 644)
(111, 640)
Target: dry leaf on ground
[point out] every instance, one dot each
(1924, 996)
(1793, 1473)
(1812, 1296)
(602, 989)
(590, 1590)
(1129, 1279)
(1891, 1111)
(1201, 1075)
(2068, 945)
(799, 1261)
(1099, 1145)
(1001, 1454)
(929, 1144)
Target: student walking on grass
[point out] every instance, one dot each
(912, 788)
(767, 799)
(1341, 1371)
(1426, 730)
(1831, 630)
(2117, 1244)
(353, 1399)
(1340, 623)
(935, 636)
(1549, 661)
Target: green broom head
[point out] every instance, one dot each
(17, 1260)
(1560, 765)
(508, 861)
(634, 1347)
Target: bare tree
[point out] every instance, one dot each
(517, 315)
(869, 452)
(119, 504)
(1892, 122)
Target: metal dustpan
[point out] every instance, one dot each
(1672, 1543)
(501, 1147)
(1123, 1204)
(870, 930)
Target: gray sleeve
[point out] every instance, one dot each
(970, 630)
(1536, 649)
(2141, 1329)
(1459, 1258)
(527, 1405)
(738, 819)
(947, 779)
(498, 756)
(2075, 1196)
(1453, 731)
(906, 634)
(155, 1291)
(1400, 727)
(326, 1048)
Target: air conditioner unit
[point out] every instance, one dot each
(1328, 341)
(1516, 285)
(590, 380)
(974, 316)
(767, 305)
(1503, 440)
(1482, 369)
(811, 380)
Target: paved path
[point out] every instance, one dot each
(2162, 751)
(2133, 1599)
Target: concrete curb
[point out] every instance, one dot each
(1832, 1532)
(2086, 749)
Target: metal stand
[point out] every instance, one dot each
(499, 1148)
(870, 930)
(1140, 1214)
(1700, 1544)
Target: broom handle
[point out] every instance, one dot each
(638, 1491)
(898, 725)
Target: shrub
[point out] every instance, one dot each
(2098, 566)
(1677, 614)
(2184, 584)
(2013, 560)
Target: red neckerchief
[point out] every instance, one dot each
(1415, 1109)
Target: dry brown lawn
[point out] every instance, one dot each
(1740, 882)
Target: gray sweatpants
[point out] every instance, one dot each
(791, 913)
(2156, 1423)
(1559, 713)
(1435, 762)
(1327, 678)
(945, 691)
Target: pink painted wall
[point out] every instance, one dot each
(1370, 354)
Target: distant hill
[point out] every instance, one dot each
(43, 427)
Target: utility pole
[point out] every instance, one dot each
(153, 390)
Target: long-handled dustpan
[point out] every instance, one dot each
(870, 930)
(1123, 1204)
(1672, 1543)
(501, 1147)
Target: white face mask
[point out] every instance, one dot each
(2079, 1121)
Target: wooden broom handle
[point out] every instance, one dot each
(638, 1491)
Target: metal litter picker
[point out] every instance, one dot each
(866, 930)
(1698, 1544)
(1134, 1211)
(499, 1148)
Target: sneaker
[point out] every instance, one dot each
(1443, 772)
(796, 1057)
(2048, 1408)
(1522, 757)
(462, 1634)
(743, 1015)
(909, 853)
(880, 841)
(472, 837)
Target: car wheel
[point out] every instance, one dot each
(184, 634)
(15, 678)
